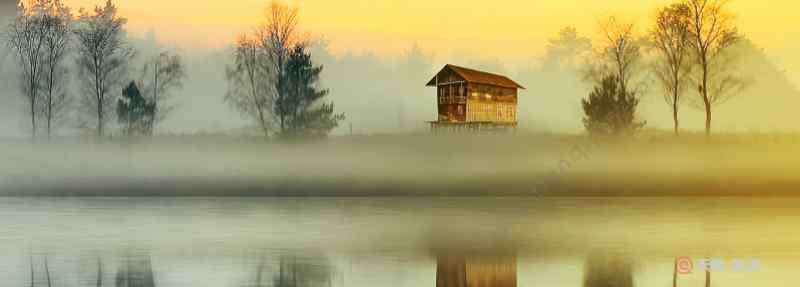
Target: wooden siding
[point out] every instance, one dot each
(491, 112)
(452, 101)
(478, 271)
(491, 104)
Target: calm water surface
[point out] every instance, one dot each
(395, 241)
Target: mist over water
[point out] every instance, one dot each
(393, 241)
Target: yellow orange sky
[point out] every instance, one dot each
(515, 29)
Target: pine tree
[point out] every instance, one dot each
(610, 110)
(305, 112)
(134, 111)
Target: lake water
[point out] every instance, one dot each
(390, 241)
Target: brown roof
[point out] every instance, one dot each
(475, 76)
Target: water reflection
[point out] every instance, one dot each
(293, 271)
(485, 270)
(135, 271)
(608, 270)
(40, 275)
(398, 242)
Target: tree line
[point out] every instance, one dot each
(72, 65)
(78, 69)
(686, 52)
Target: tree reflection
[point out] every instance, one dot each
(608, 270)
(294, 271)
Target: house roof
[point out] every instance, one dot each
(475, 76)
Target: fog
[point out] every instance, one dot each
(532, 165)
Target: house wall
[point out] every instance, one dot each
(451, 98)
(491, 104)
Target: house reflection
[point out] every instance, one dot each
(476, 271)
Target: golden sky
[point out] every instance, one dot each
(501, 29)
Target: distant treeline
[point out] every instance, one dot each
(77, 70)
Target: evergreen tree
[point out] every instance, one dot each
(610, 110)
(135, 112)
(305, 113)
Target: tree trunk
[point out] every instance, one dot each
(675, 113)
(675, 274)
(708, 117)
(99, 119)
(49, 118)
(706, 100)
(50, 100)
(49, 113)
(33, 116)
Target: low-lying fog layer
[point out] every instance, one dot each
(406, 165)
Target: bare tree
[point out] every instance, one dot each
(103, 55)
(160, 76)
(26, 38)
(278, 36)
(712, 32)
(257, 81)
(248, 82)
(672, 68)
(620, 54)
(58, 21)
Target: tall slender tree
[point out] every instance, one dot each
(278, 37)
(712, 33)
(102, 54)
(620, 54)
(26, 38)
(58, 24)
(672, 68)
(249, 77)
(161, 75)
